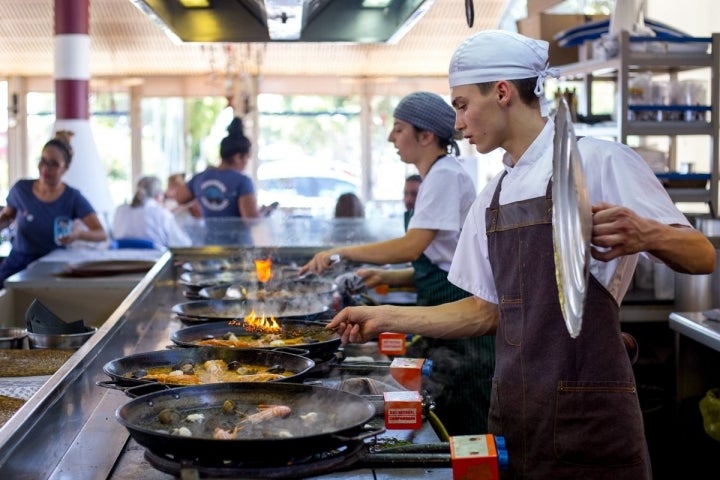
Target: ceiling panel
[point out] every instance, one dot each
(124, 42)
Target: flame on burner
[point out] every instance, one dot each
(261, 323)
(263, 267)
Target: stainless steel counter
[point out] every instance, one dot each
(67, 430)
(696, 326)
(68, 297)
(697, 355)
(697, 352)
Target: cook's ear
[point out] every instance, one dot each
(426, 137)
(503, 91)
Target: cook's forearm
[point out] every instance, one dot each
(469, 317)
(399, 278)
(685, 250)
(378, 253)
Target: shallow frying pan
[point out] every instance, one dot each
(321, 419)
(321, 344)
(211, 265)
(203, 311)
(124, 371)
(281, 290)
(197, 280)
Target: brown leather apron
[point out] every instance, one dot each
(568, 408)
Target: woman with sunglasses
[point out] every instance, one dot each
(36, 205)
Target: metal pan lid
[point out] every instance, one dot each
(572, 222)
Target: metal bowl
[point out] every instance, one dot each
(12, 337)
(68, 341)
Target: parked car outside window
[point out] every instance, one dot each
(304, 187)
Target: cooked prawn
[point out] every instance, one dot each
(222, 434)
(267, 412)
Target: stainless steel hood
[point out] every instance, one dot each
(231, 21)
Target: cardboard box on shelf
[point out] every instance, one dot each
(544, 26)
(537, 6)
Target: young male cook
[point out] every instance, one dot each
(568, 407)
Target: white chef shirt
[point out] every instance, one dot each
(151, 221)
(614, 174)
(444, 199)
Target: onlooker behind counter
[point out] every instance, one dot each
(410, 193)
(349, 224)
(225, 193)
(146, 218)
(44, 210)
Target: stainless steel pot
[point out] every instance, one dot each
(63, 341)
(12, 337)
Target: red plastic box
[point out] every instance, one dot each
(403, 410)
(474, 457)
(391, 344)
(408, 372)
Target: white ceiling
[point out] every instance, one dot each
(126, 43)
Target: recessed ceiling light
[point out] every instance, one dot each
(195, 3)
(376, 3)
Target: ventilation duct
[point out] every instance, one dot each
(232, 21)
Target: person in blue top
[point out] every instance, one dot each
(35, 204)
(225, 191)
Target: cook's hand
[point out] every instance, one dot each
(320, 262)
(371, 277)
(616, 231)
(358, 324)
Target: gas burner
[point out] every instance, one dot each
(316, 464)
(324, 366)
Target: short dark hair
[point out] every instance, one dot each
(414, 178)
(525, 87)
(441, 142)
(349, 205)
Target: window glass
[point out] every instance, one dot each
(6, 116)
(110, 126)
(40, 122)
(163, 145)
(309, 152)
(388, 172)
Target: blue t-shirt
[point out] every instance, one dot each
(218, 191)
(34, 232)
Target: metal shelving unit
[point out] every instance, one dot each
(671, 63)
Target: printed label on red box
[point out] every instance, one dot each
(391, 343)
(402, 415)
(403, 410)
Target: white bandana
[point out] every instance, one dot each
(493, 55)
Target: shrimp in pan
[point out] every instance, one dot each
(267, 412)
